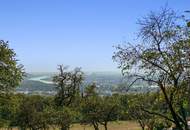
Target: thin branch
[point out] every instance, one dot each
(158, 114)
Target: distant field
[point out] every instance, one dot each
(122, 125)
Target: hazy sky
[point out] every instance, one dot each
(45, 33)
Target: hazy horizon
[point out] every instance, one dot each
(86, 72)
(78, 33)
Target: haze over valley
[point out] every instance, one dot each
(107, 83)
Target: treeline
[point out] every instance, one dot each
(161, 58)
(37, 112)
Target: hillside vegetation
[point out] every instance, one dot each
(161, 61)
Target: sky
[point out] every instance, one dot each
(78, 33)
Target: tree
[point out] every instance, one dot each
(90, 90)
(9, 106)
(60, 117)
(136, 104)
(4, 113)
(90, 110)
(67, 97)
(98, 110)
(162, 59)
(11, 71)
(11, 74)
(109, 110)
(90, 105)
(31, 113)
(134, 111)
(68, 85)
(188, 20)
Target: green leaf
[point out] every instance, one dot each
(188, 24)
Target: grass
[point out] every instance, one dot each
(121, 125)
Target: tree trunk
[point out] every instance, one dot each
(53, 127)
(150, 127)
(9, 128)
(177, 122)
(105, 126)
(64, 128)
(186, 127)
(143, 127)
(95, 126)
(141, 124)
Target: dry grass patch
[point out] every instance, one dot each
(121, 125)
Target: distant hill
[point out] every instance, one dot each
(107, 82)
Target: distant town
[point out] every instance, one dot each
(107, 83)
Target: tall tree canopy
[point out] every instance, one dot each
(161, 58)
(11, 72)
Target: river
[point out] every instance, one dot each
(41, 79)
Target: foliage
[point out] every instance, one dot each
(162, 59)
(11, 74)
(31, 113)
(68, 85)
(61, 117)
(110, 110)
(136, 110)
(98, 110)
(11, 71)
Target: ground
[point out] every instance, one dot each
(122, 125)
